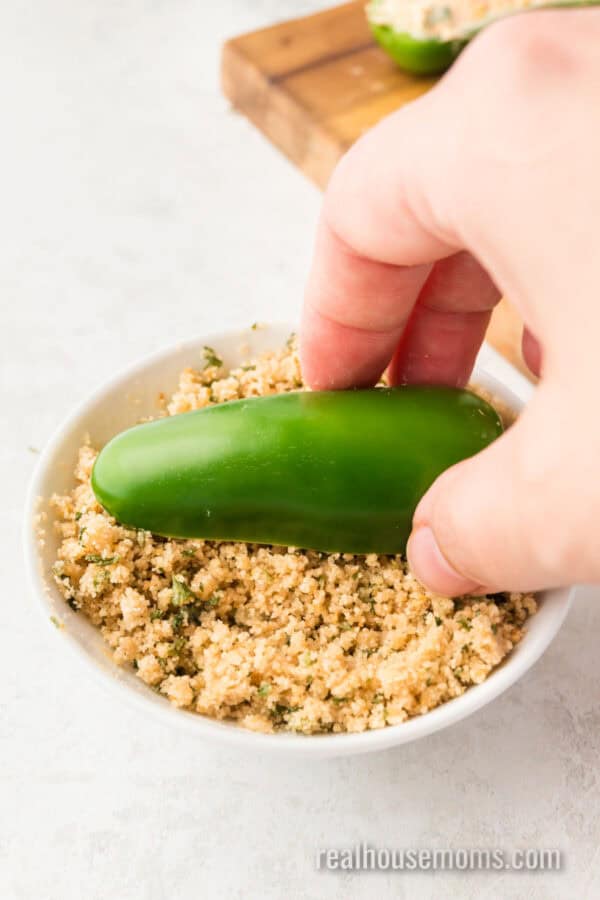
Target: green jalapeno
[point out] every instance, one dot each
(326, 470)
(430, 55)
(421, 56)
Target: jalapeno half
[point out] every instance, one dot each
(422, 56)
(331, 471)
(431, 55)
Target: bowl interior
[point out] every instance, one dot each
(134, 394)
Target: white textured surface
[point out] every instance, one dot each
(136, 209)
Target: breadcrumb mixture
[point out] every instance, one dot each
(273, 638)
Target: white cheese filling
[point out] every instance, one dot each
(443, 21)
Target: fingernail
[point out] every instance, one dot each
(431, 567)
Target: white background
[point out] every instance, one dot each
(136, 209)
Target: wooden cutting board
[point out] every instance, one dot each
(313, 86)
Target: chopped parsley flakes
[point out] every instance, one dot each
(211, 358)
(102, 560)
(181, 593)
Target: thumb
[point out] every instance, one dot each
(503, 520)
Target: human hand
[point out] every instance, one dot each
(488, 184)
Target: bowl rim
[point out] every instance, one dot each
(111, 679)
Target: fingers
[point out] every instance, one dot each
(492, 522)
(433, 318)
(447, 325)
(532, 352)
(372, 257)
(355, 312)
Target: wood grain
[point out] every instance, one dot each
(313, 85)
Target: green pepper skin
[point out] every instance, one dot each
(331, 470)
(421, 56)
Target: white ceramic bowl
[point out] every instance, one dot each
(119, 404)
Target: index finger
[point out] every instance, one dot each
(355, 312)
(373, 254)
